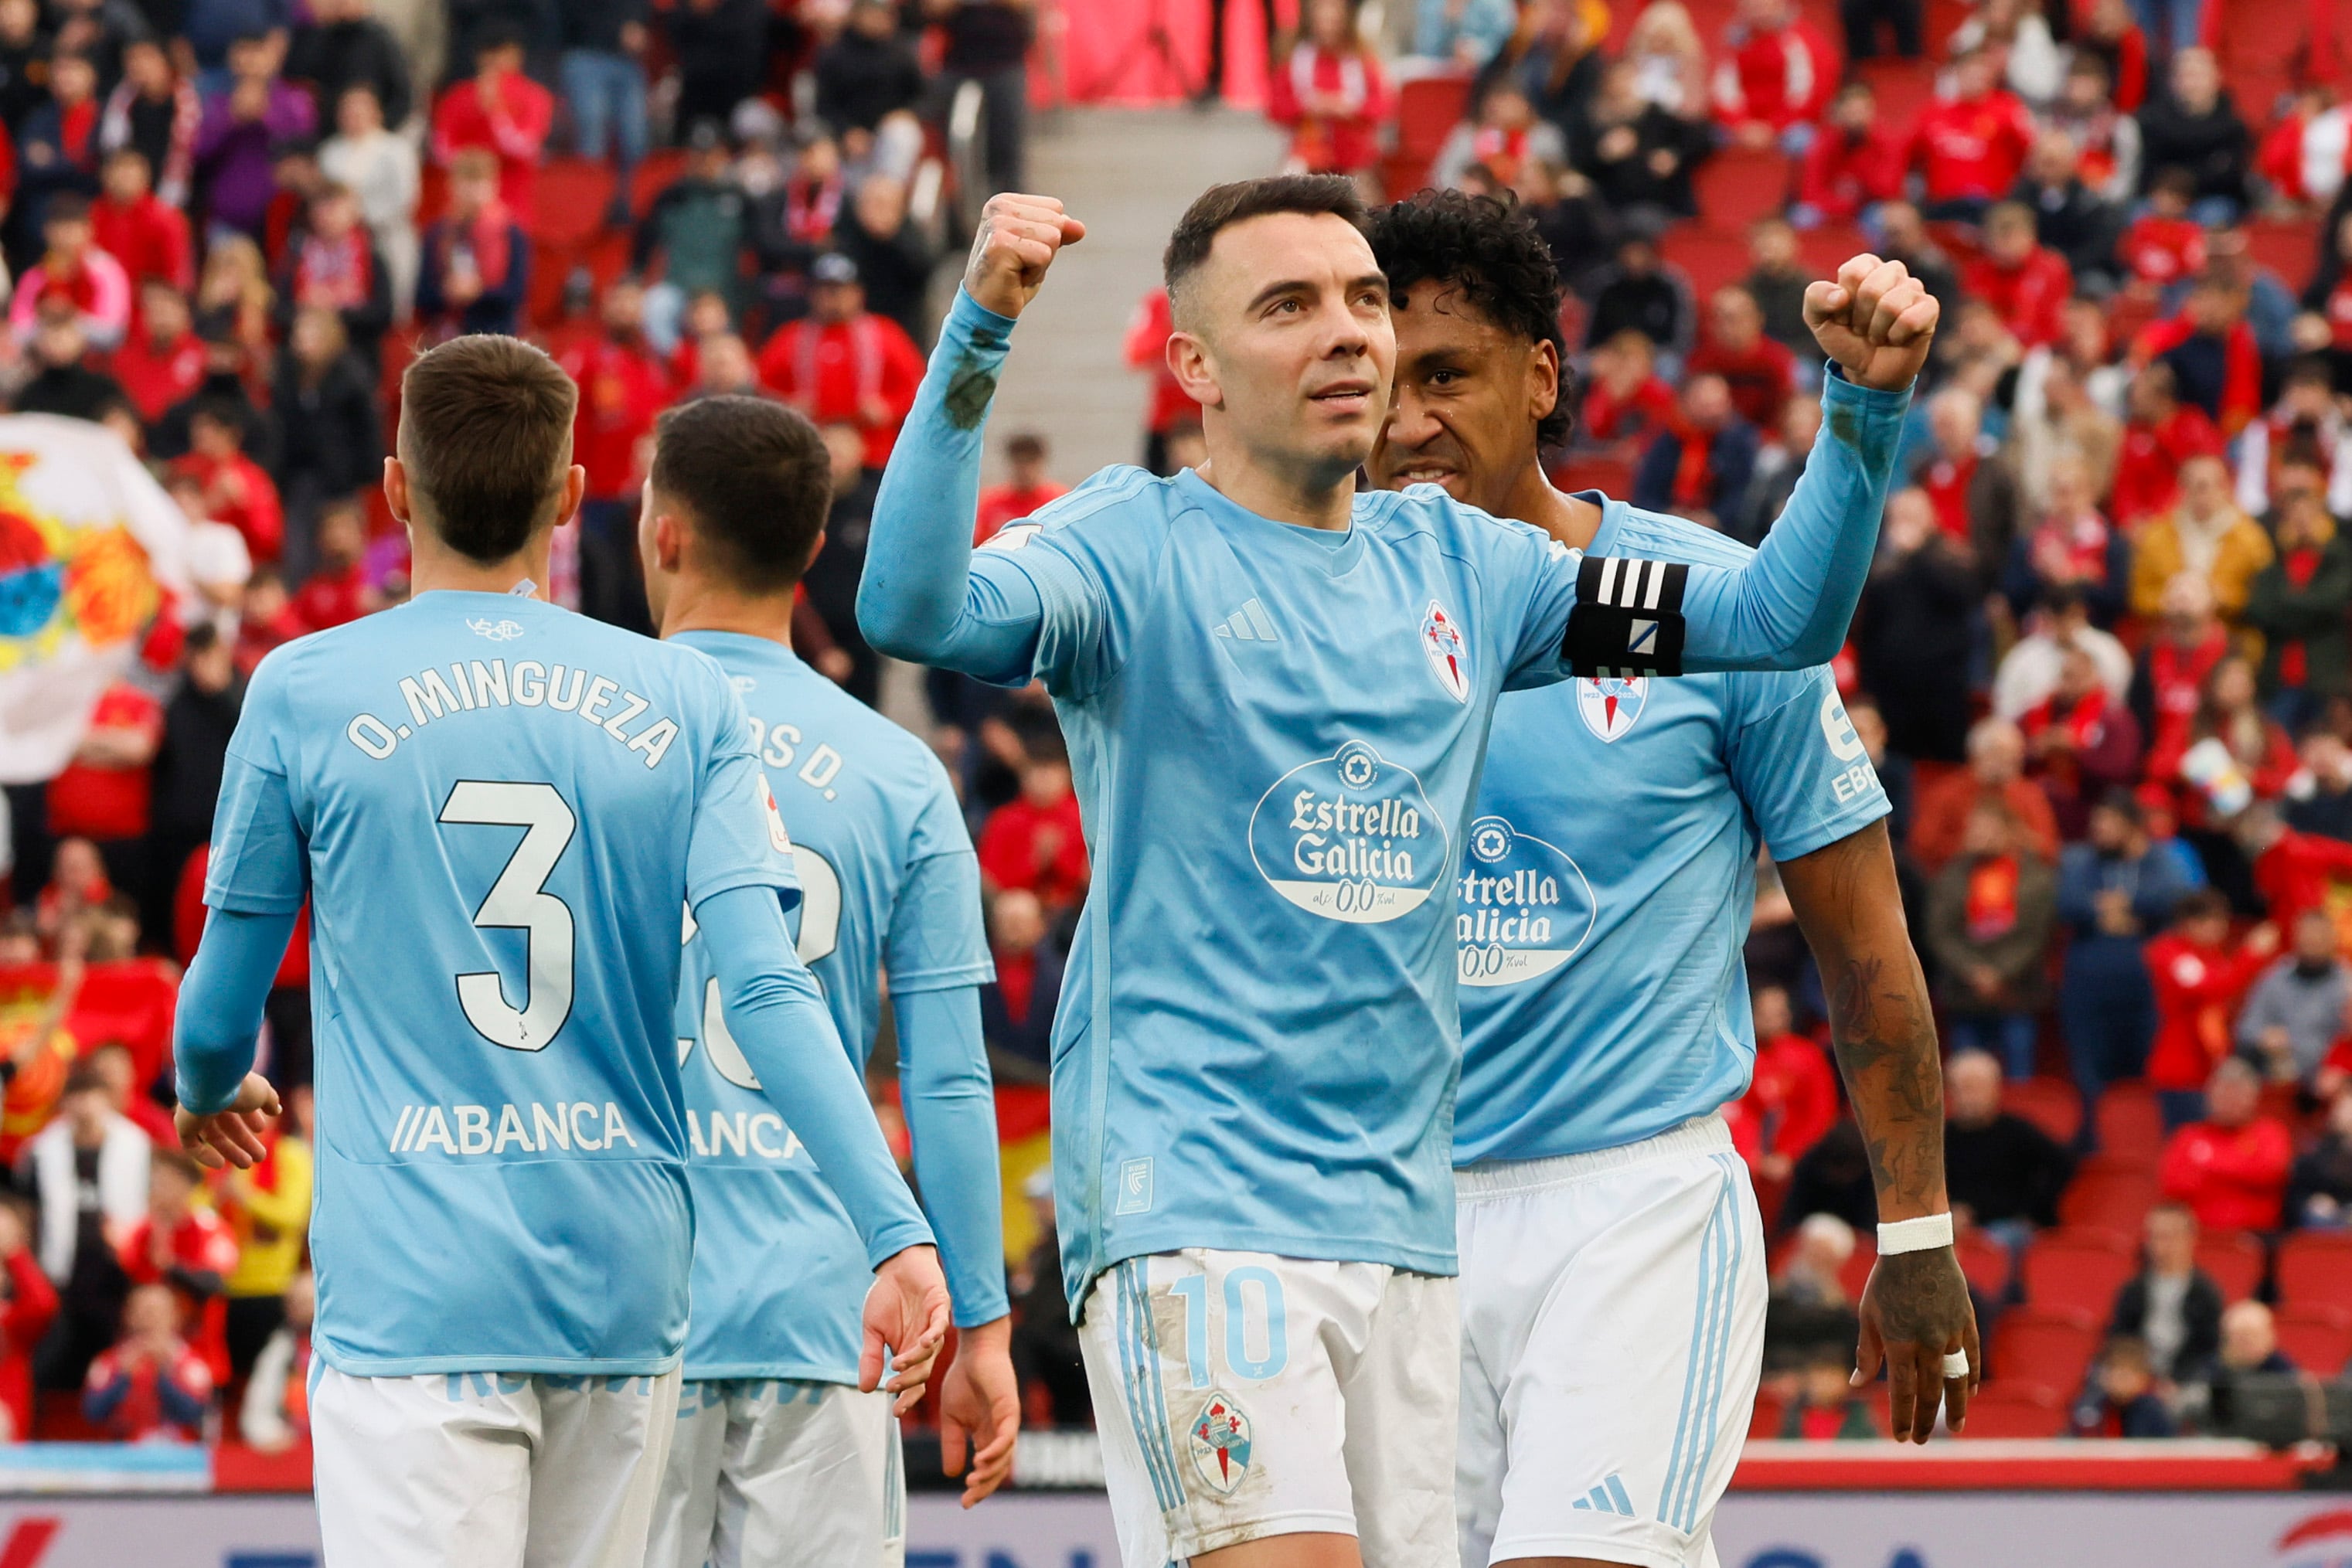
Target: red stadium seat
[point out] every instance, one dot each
(568, 204)
(1856, 1272)
(1987, 1263)
(656, 174)
(2314, 1269)
(2077, 1268)
(2110, 1193)
(2288, 246)
(1825, 249)
(1607, 475)
(2318, 1338)
(1765, 1421)
(2045, 1347)
(1739, 186)
(1428, 109)
(1904, 89)
(1943, 19)
(2127, 1121)
(1710, 258)
(2050, 1104)
(2016, 1410)
(2234, 1259)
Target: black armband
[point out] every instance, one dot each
(1628, 619)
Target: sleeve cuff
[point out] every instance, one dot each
(1838, 389)
(896, 1237)
(976, 318)
(976, 1309)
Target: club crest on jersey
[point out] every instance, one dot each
(1610, 704)
(778, 839)
(1448, 651)
(1221, 1443)
(495, 631)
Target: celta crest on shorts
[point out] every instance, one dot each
(1448, 651)
(1221, 1443)
(1610, 704)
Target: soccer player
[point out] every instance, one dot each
(498, 810)
(1613, 1258)
(1277, 693)
(777, 1457)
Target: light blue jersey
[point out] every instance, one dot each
(497, 808)
(1276, 735)
(1605, 893)
(888, 882)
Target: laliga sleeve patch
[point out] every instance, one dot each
(778, 839)
(1628, 619)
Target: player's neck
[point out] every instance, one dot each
(1306, 499)
(696, 606)
(1533, 499)
(433, 567)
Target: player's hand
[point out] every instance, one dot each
(1019, 237)
(980, 1402)
(234, 1137)
(1876, 321)
(906, 1322)
(1914, 1311)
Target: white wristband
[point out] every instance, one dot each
(1924, 1234)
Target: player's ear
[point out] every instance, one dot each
(575, 489)
(395, 490)
(816, 549)
(1189, 363)
(1543, 380)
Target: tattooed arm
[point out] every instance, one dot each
(1916, 1308)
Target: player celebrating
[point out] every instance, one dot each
(1613, 1258)
(490, 803)
(777, 1457)
(1277, 693)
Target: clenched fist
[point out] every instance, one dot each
(1876, 321)
(1018, 239)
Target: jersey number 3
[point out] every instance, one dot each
(520, 900)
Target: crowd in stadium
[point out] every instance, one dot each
(2104, 665)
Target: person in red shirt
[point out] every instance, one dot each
(2162, 433)
(2111, 35)
(331, 263)
(2216, 362)
(338, 591)
(147, 235)
(1146, 349)
(1025, 488)
(623, 386)
(2168, 679)
(1792, 1094)
(72, 267)
(2025, 282)
(30, 1305)
(1775, 76)
(1331, 92)
(2164, 244)
(2231, 1167)
(1625, 401)
(152, 1384)
(1760, 372)
(161, 361)
(502, 111)
(102, 795)
(2199, 981)
(2083, 744)
(238, 490)
(1972, 145)
(1033, 842)
(187, 1248)
(2295, 873)
(1852, 165)
(842, 364)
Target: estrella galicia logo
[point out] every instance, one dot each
(1610, 704)
(1221, 1443)
(1350, 837)
(1525, 907)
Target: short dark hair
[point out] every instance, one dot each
(754, 478)
(1489, 248)
(486, 438)
(1219, 207)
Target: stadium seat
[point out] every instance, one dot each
(1904, 88)
(2316, 1337)
(2050, 1104)
(2045, 1347)
(1826, 248)
(2077, 1268)
(2016, 1410)
(2288, 246)
(1739, 186)
(2234, 1259)
(2127, 1121)
(568, 204)
(2315, 1268)
(1609, 476)
(657, 174)
(1988, 1265)
(1428, 109)
(1943, 18)
(1770, 1410)
(1856, 1272)
(1709, 256)
(2110, 1193)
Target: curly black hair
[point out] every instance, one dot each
(1490, 249)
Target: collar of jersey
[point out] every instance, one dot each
(1613, 513)
(1239, 523)
(742, 645)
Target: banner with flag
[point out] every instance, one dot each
(91, 552)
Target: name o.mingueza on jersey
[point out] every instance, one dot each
(533, 1129)
(477, 684)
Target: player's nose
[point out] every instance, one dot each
(1411, 424)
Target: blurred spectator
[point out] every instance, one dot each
(87, 1173)
(157, 112)
(1791, 1093)
(2231, 756)
(1145, 351)
(1775, 76)
(2164, 245)
(1976, 494)
(2172, 1305)
(1992, 910)
(2295, 1010)
(1808, 1313)
(62, 382)
(1868, 23)
(1669, 60)
(2072, 554)
(2319, 1188)
(145, 234)
(1016, 1010)
(1912, 635)
(337, 592)
(268, 1211)
(2197, 982)
(1466, 32)
(1034, 842)
(1759, 373)
(1500, 139)
(499, 110)
(1994, 776)
(2319, 795)
(28, 1304)
(2030, 671)
(2298, 605)
(2022, 279)
(2250, 1348)
(833, 578)
(1331, 92)
(1625, 403)
(378, 167)
(1044, 1342)
(104, 795)
(238, 490)
(721, 49)
(1025, 490)
(2230, 1169)
(1555, 56)
(185, 1245)
(1833, 1177)
(1779, 465)
(2071, 219)
(2081, 740)
(2301, 158)
(73, 271)
(2194, 126)
(197, 724)
(1904, 237)
(152, 1384)
(58, 145)
(2216, 360)
(868, 82)
(623, 386)
(330, 443)
(842, 364)
(2203, 534)
(605, 43)
(332, 265)
(699, 231)
(2123, 1400)
(244, 126)
(342, 46)
(2302, 447)
(1970, 147)
(476, 262)
(2113, 890)
(894, 259)
(1777, 283)
(2007, 1171)
(2188, 641)
(1638, 155)
(1827, 1406)
(1853, 164)
(1642, 293)
(1698, 465)
(275, 1414)
(2016, 31)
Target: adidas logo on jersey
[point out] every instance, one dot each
(1250, 623)
(1609, 1497)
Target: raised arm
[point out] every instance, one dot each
(920, 599)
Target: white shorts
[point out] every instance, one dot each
(1612, 1334)
(486, 1470)
(1242, 1395)
(771, 1470)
